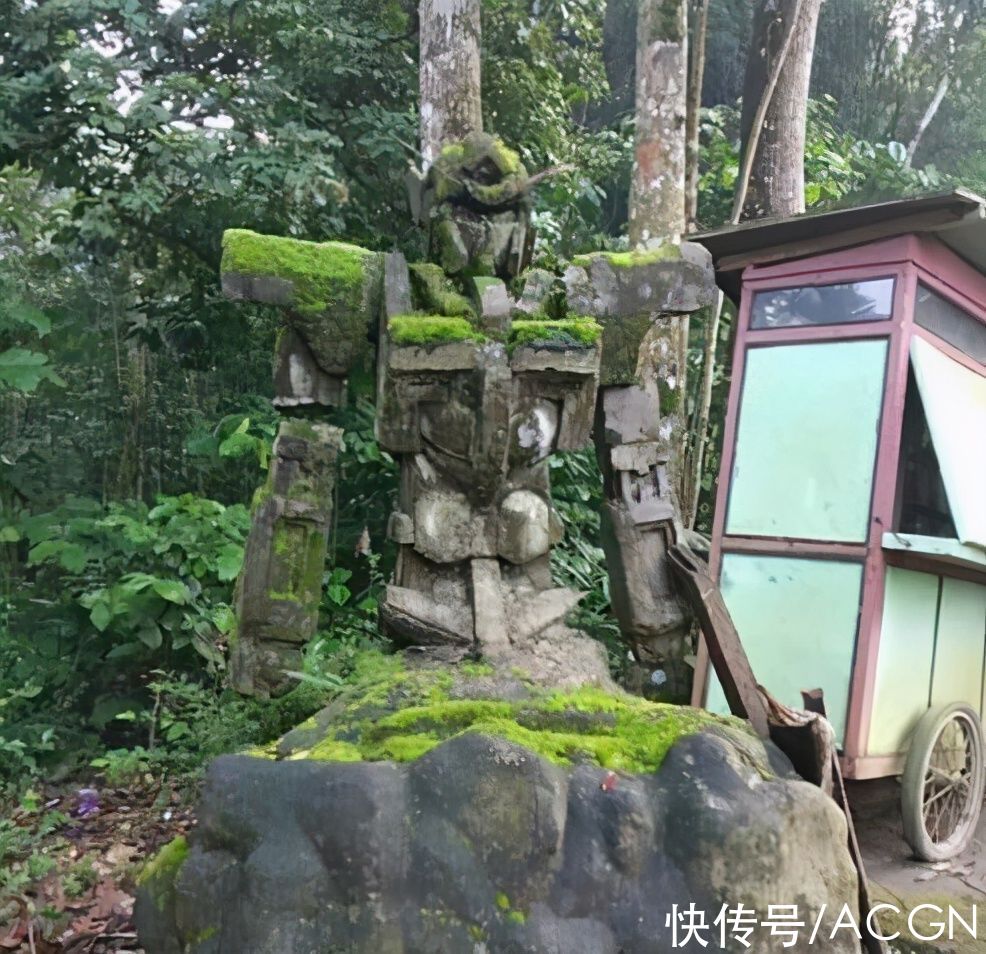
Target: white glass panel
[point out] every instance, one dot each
(823, 304)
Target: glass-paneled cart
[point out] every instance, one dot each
(850, 526)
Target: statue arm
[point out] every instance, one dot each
(330, 293)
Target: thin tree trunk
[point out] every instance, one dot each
(929, 114)
(693, 112)
(701, 431)
(657, 188)
(449, 73)
(792, 128)
(783, 30)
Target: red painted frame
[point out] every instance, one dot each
(907, 259)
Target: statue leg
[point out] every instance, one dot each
(639, 522)
(280, 586)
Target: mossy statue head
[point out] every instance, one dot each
(480, 172)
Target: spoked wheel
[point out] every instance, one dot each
(942, 785)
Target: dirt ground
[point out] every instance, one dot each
(897, 878)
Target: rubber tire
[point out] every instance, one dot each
(912, 784)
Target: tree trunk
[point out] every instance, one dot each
(925, 121)
(696, 74)
(449, 73)
(777, 183)
(657, 189)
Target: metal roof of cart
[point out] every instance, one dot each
(958, 218)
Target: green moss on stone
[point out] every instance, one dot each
(335, 750)
(204, 935)
(502, 901)
(458, 171)
(475, 670)
(322, 273)
(158, 875)
(391, 712)
(572, 332)
(166, 862)
(434, 292)
(268, 751)
(648, 256)
(481, 146)
(426, 330)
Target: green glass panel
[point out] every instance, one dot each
(807, 439)
(903, 664)
(797, 619)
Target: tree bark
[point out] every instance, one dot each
(777, 183)
(449, 73)
(657, 188)
(696, 74)
(755, 195)
(925, 121)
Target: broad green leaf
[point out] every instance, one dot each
(9, 534)
(229, 562)
(173, 591)
(26, 314)
(338, 593)
(44, 550)
(150, 635)
(101, 614)
(223, 618)
(24, 370)
(237, 445)
(73, 557)
(207, 649)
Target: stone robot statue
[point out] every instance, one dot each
(484, 369)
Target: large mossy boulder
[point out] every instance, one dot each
(426, 812)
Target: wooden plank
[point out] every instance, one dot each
(725, 649)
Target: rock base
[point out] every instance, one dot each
(482, 846)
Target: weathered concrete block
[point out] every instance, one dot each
(627, 291)
(280, 585)
(330, 290)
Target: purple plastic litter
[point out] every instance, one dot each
(87, 803)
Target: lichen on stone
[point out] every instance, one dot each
(390, 711)
(668, 252)
(425, 330)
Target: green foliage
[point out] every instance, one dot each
(578, 561)
(840, 169)
(22, 858)
(542, 72)
(86, 627)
